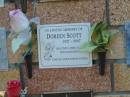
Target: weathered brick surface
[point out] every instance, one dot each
(117, 47)
(70, 79)
(4, 16)
(70, 11)
(119, 11)
(7, 75)
(77, 78)
(122, 77)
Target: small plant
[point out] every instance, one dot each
(100, 36)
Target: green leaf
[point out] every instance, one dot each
(100, 38)
(104, 26)
(96, 32)
(105, 36)
(92, 30)
(88, 47)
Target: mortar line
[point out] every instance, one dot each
(107, 11)
(112, 77)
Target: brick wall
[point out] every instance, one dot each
(115, 82)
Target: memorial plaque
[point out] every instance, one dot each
(59, 45)
(1, 3)
(127, 36)
(3, 50)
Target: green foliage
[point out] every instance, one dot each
(100, 36)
